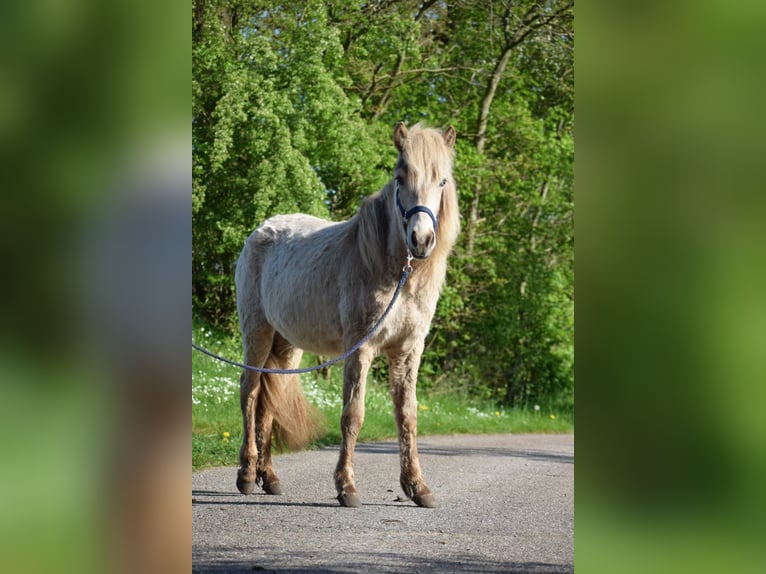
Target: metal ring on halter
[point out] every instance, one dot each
(408, 266)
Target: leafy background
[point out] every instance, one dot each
(293, 110)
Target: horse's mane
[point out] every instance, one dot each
(374, 233)
(426, 152)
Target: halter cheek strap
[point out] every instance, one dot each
(417, 209)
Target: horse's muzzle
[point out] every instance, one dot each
(421, 237)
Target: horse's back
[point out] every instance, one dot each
(277, 233)
(283, 228)
(287, 273)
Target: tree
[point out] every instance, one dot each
(273, 132)
(503, 73)
(293, 111)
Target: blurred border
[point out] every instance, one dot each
(95, 234)
(94, 111)
(671, 317)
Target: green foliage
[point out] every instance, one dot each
(517, 287)
(273, 132)
(293, 108)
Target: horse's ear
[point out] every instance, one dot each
(450, 135)
(400, 134)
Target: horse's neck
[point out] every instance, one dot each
(382, 242)
(428, 274)
(383, 248)
(380, 239)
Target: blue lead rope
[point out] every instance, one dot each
(406, 270)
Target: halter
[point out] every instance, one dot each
(417, 209)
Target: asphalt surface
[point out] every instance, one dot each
(506, 504)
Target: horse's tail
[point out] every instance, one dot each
(296, 421)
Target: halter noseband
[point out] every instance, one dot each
(417, 209)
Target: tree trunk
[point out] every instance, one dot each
(530, 23)
(489, 95)
(383, 102)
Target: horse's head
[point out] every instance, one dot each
(423, 173)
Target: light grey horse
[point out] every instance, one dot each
(305, 283)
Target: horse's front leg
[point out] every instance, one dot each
(354, 381)
(403, 371)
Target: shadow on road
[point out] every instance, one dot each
(541, 455)
(382, 563)
(217, 498)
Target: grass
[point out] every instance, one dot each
(216, 419)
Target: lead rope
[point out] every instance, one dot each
(406, 271)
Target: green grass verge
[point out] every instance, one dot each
(216, 422)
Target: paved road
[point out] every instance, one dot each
(505, 505)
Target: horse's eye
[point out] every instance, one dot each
(443, 182)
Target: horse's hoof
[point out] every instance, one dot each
(245, 486)
(350, 500)
(273, 488)
(425, 500)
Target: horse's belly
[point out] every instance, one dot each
(298, 283)
(314, 341)
(309, 322)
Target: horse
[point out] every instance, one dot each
(303, 283)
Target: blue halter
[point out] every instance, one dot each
(417, 209)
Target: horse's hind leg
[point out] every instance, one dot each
(403, 371)
(282, 356)
(265, 475)
(257, 348)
